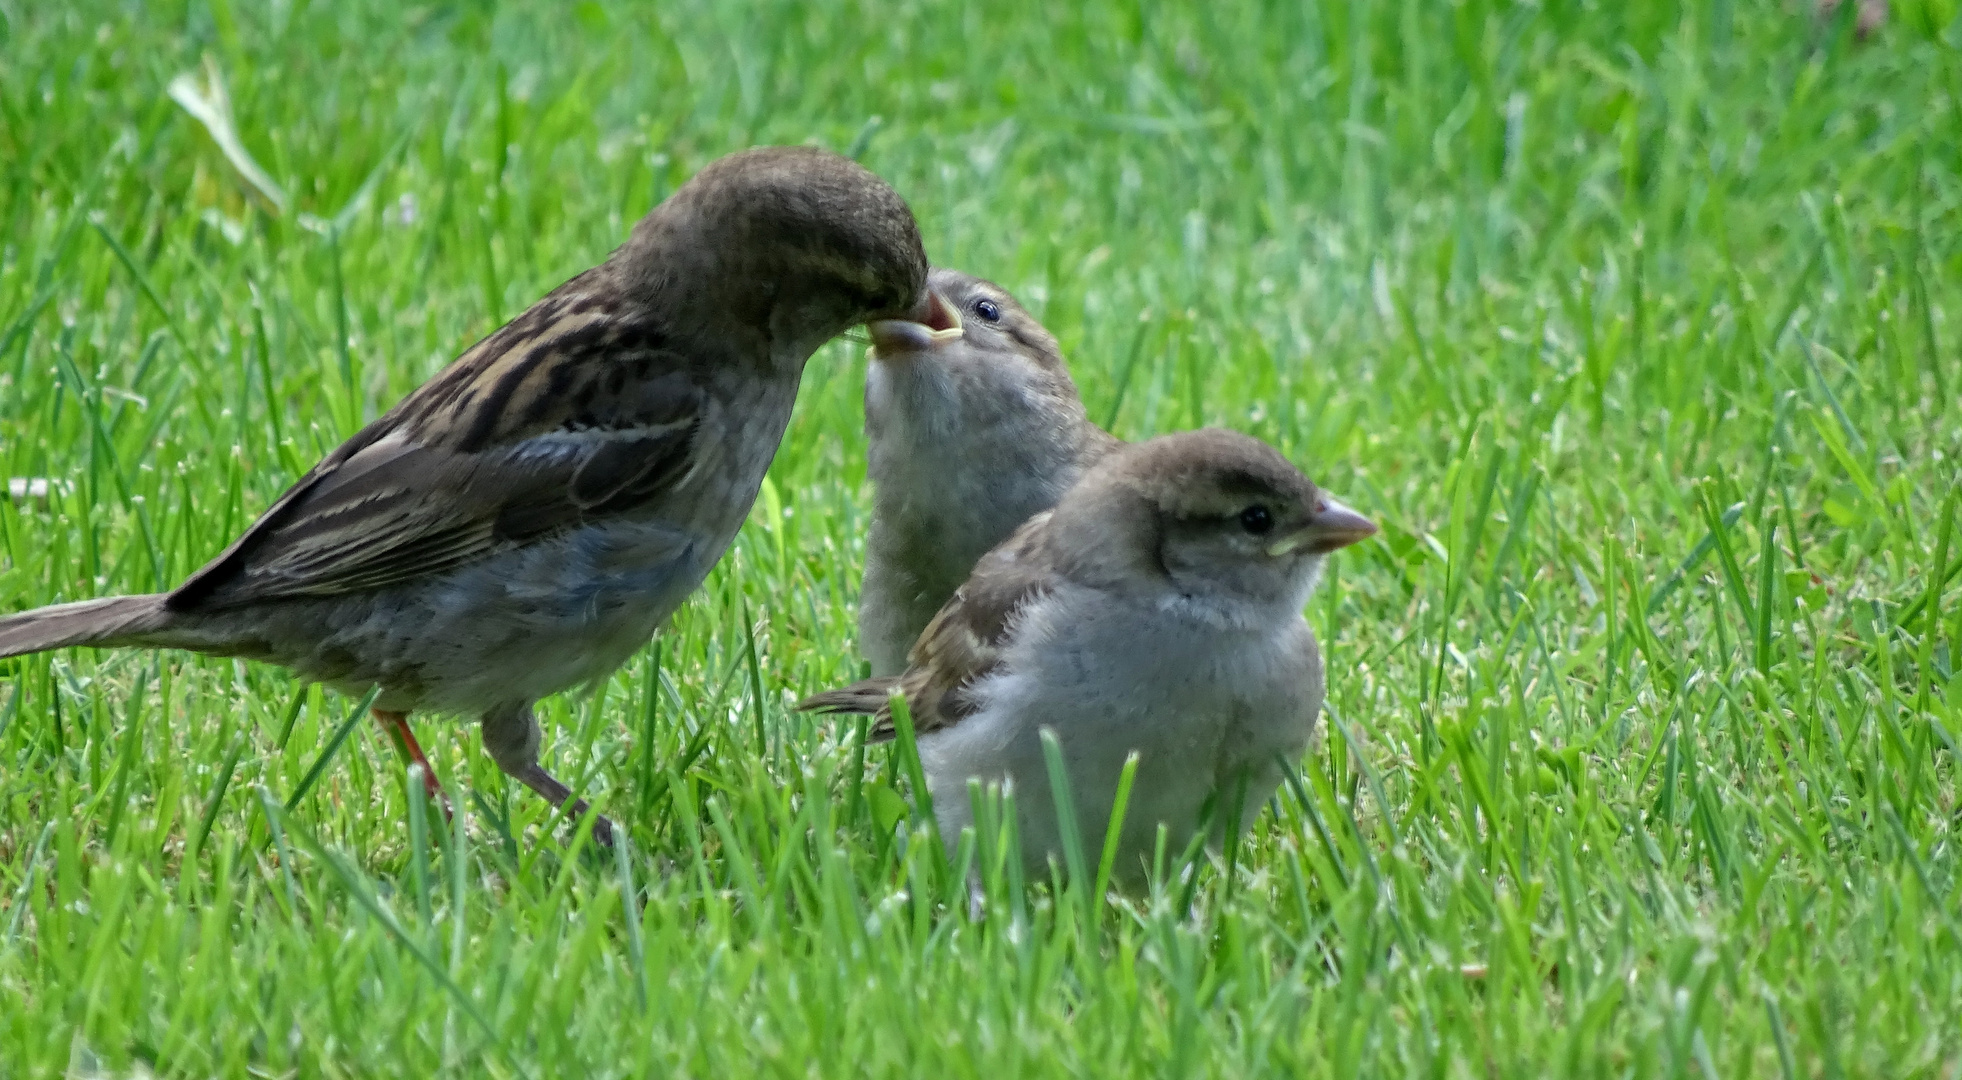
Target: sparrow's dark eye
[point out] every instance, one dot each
(1256, 519)
(988, 310)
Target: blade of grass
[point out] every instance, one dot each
(357, 887)
(908, 751)
(1767, 590)
(623, 869)
(1695, 558)
(1114, 832)
(270, 807)
(143, 283)
(1292, 777)
(419, 844)
(650, 706)
(217, 798)
(333, 746)
(1064, 799)
(1727, 558)
(755, 682)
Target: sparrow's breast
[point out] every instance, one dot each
(1196, 704)
(741, 427)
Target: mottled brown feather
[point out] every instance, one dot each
(961, 646)
(447, 477)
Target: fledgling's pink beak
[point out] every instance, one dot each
(933, 322)
(1331, 526)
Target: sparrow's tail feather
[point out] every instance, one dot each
(867, 696)
(109, 622)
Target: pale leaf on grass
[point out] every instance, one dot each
(212, 107)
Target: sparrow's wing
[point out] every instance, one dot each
(964, 642)
(573, 413)
(867, 696)
(969, 636)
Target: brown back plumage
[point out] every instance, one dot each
(623, 348)
(961, 645)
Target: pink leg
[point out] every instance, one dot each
(397, 726)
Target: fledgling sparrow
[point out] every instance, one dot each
(1156, 609)
(526, 519)
(971, 430)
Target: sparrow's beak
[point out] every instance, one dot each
(1331, 526)
(933, 322)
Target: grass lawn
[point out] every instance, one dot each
(1635, 325)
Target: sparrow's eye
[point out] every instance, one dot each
(988, 310)
(1256, 519)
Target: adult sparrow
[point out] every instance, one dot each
(1156, 609)
(971, 430)
(527, 518)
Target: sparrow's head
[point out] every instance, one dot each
(794, 240)
(975, 321)
(977, 344)
(1220, 519)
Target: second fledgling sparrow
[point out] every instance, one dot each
(1156, 609)
(971, 430)
(527, 518)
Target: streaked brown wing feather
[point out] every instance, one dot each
(866, 696)
(967, 639)
(568, 415)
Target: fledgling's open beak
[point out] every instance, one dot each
(1332, 526)
(933, 322)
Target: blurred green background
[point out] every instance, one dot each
(1633, 325)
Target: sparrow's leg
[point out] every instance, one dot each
(511, 737)
(397, 726)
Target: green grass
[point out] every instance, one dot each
(1637, 330)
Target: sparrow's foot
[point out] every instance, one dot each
(537, 779)
(511, 737)
(397, 726)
